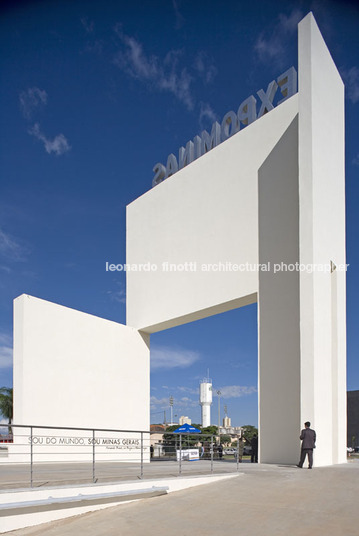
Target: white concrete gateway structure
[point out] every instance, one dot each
(259, 218)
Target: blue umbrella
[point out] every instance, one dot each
(187, 429)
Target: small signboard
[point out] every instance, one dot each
(188, 454)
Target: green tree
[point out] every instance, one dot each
(170, 440)
(6, 403)
(207, 433)
(210, 430)
(171, 428)
(225, 440)
(249, 431)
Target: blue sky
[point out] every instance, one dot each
(92, 96)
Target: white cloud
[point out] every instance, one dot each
(289, 24)
(267, 49)
(32, 99)
(179, 403)
(92, 45)
(205, 67)
(88, 25)
(118, 295)
(272, 48)
(186, 402)
(189, 390)
(351, 79)
(162, 402)
(163, 75)
(206, 115)
(179, 17)
(236, 391)
(11, 249)
(5, 351)
(59, 145)
(167, 358)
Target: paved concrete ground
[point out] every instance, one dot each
(264, 500)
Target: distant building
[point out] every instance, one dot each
(234, 431)
(184, 420)
(156, 433)
(353, 419)
(156, 438)
(227, 422)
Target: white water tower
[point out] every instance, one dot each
(205, 401)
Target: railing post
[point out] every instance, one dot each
(180, 456)
(31, 457)
(141, 455)
(93, 457)
(211, 454)
(238, 455)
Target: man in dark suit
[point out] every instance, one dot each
(308, 437)
(254, 445)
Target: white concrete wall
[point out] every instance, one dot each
(74, 369)
(322, 239)
(205, 213)
(278, 304)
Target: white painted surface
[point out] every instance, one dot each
(206, 213)
(206, 415)
(74, 369)
(322, 239)
(278, 304)
(205, 400)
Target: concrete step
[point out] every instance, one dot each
(60, 503)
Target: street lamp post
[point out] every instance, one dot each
(171, 406)
(219, 414)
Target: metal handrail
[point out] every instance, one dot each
(96, 441)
